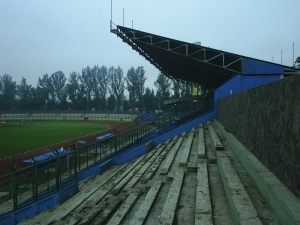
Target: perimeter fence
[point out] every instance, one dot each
(29, 184)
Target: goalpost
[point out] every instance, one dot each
(15, 122)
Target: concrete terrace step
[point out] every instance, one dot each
(186, 152)
(239, 202)
(169, 210)
(284, 204)
(203, 210)
(214, 138)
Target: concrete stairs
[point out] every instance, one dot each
(194, 178)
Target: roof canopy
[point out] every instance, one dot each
(182, 60)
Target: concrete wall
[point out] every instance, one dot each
(266, 119)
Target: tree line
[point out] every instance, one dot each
(95, 88)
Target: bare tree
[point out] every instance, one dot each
(116, 85)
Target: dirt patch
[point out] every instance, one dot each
(6, 163)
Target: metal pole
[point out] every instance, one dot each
(293, 54)
(281, 57)
(110, 15)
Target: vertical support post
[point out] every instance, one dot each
(223, 59)
(293, 54)
(35, 182)
(15, 189)
(186, 50)
(57, 172)
(75, 162)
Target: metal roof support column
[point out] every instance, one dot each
(186, 50)
(223, 59)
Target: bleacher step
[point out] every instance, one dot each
(201, 143)
(203, 210)
(124, 209)
(166, 166)
(186, 152)
(170, 206)
(144, 209)
(241, 207)
(214, 138)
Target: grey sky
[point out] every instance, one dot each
(45, 36)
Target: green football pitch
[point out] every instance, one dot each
(17, 138)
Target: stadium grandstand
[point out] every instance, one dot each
(214, 159)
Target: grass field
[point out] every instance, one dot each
(17, 138)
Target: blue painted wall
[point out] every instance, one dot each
(241, 83)
(252, 66)
(38, 207)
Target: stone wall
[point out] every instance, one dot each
(266, 120)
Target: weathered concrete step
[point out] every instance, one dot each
(241, 207)
(284, 204)
(132, 173)
(203, 210)
(67, 207)
(151, 171)
(201, 143)
(119, 216)
(214, 138)
(102, 192)
(114, 202)
(145, 167)
(144, 209)
(187, 149)
(166, 166)
(170, 206)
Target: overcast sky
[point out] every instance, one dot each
(45, 36)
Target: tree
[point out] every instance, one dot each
(163, 85)
(102, 78)
(8, 91)
(135, 81)
(87, 81)
(186, 89)
(45, 92)
(25, 94)
(116, 85)
(176, 88)
(111, 102)
(297, 63)
(150, 99)
(58, 89)
(73, 90)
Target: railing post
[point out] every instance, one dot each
(15, 186)
(15, 189)
(35, 182)
(57, 173)
(75, 163)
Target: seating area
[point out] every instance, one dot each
(68, 116)
(194, 178)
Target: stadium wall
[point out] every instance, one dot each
(266, 119)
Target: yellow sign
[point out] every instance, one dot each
(195, 91)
